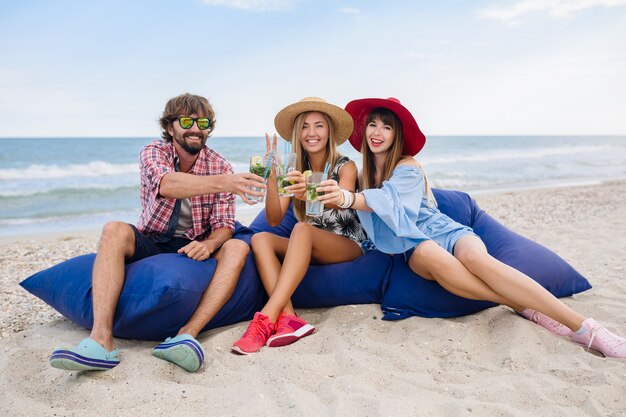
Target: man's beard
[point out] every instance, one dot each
(191, 149)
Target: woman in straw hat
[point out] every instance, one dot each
(435, 246)
(315, 128)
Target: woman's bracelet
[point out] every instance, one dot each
(353, 199)
(348, 199)
(345, 200)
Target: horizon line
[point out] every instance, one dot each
(261, 137)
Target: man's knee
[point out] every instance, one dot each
(119, 233)
(234, 249)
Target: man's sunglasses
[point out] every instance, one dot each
(203, 123)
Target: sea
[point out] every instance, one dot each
(57, 185)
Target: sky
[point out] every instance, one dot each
(495, 67)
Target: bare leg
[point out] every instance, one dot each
(269, 252)
(513, 284)
(305, 244)
(231, 258)
(434, 263)
(117, 243)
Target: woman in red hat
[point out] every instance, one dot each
(315, 128)
(400, 215)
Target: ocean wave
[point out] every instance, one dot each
(80, 189)
(459, 183)
(99, 217)
(90, 169)
(517, 154)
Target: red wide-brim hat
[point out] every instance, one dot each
(414, 139)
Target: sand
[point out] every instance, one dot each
(492, 363)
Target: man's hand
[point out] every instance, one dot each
(198, 251)
(241, 184)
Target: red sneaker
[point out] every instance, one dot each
(545, 321)
(289, 329)
(259, 330)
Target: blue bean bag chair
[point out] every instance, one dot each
(159, 296)
(361, 281)
(410, 295)
(161, 292)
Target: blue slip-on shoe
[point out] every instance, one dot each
(88, 355)
(182, 350)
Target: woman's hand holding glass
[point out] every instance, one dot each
(329, 192)
(298, 188)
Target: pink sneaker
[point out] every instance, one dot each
(545, 321)
(289, 329)
(259, 330)
(600, 339)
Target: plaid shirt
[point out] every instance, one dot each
(209, 212)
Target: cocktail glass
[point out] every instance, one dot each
(284, 165)
(314, 207)
(257, 166)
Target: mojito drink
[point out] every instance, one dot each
(257, 167)
(284, 165)
(314, 207)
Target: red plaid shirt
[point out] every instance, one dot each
(209, 212)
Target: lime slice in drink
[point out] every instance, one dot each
(307, 173)
(256, 160)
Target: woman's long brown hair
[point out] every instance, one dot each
(394, 156)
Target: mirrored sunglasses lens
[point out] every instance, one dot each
(185, 122)
(203, 123)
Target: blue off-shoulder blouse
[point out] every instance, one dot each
(403, 217)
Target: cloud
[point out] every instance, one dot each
(254, 5)
(558, 9)
(355, 13)
(350, 10)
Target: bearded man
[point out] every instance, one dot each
(187, 206)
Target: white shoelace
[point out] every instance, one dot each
(592, 335)
(537, 316)
(607, 338)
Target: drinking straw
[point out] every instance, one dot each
(326, 169)
(269, 164)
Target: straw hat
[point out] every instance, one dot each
(342, 121)
(414, 139)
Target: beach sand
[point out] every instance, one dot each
(492, 363)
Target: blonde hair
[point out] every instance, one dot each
(394, 155)
(302, 157)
